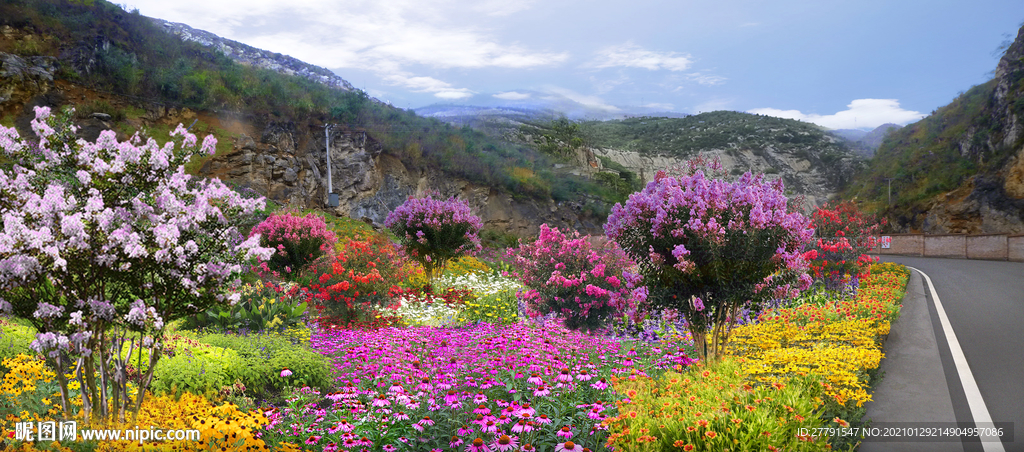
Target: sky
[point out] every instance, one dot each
(837, 63)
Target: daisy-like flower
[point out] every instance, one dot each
(455, 442)
(401, 416)
(479, 398)
(568, 445)
(364, 441)
(477, 445)
(489, 427)
(564, 432)
(312, 440)
(506, 443)
(541, 391)
(528, 448)
(600, 385)
(389, 448)
(380, 401)
(481, 409)
(285, 372)
(451, 397)
(525, 411)
(465, 430)
(584, 376)
(426, 421)
(535, 379)
(522, 427)
(594, 413)
(564, 376)
(543, 419)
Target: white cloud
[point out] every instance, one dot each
(658, 106)
(512, 95)
(589, 101)
(385, 37)
(861, 113)
(632, 55)
(421, 84)
(706, 79)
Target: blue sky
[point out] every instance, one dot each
(841, 64)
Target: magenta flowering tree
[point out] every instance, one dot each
(105, 242)
(298, 241)
(434, 232)
(708, 248)
(566, 275)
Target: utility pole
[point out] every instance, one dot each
(890, 190)
(332, 199)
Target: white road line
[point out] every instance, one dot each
(979, 411)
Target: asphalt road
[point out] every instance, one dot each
(984, 301)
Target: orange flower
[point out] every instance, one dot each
(841, 422)
(710, 434)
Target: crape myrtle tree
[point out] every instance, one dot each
(435, 231)
(709, 248)
(104, 243)
(566, 274)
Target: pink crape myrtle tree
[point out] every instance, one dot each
(104, 243)
(298, 242)
(567, 275)
(709, 248)
(435, 231)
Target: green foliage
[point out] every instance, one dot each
(198, 370)
(263, 307)
(264, 356)
(932, 156)
(15, 339)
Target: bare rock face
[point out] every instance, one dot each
(22, 78)
(288, 164)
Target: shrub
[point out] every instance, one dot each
(434, 231)
(844, 235)
(265, 306)
(262, 357)
(357, 282)
(566, 275)
(299, 241)
(709, 248)
(200, 370)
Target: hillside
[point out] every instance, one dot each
(127, 72)
(960, 169)
(812, 163)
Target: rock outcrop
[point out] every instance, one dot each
(23, 78)
(287, 162)
(991, 201)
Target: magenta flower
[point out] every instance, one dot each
(564, 432)
(506, 443)
(477, 445)
(285, 372)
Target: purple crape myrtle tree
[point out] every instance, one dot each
(709, 248)
(566, 274)
(104, 243)
(434, 232)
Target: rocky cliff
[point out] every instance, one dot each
(993, 200)
(288, 163)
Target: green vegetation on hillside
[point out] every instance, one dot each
(729, 130)
(106, 48)
(933, 156)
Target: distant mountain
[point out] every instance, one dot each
(865, 142)
(813, 163)
(960, 169)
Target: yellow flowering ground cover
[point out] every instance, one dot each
(221, 426)
(714, 409)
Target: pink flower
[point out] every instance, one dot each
(285, 372)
